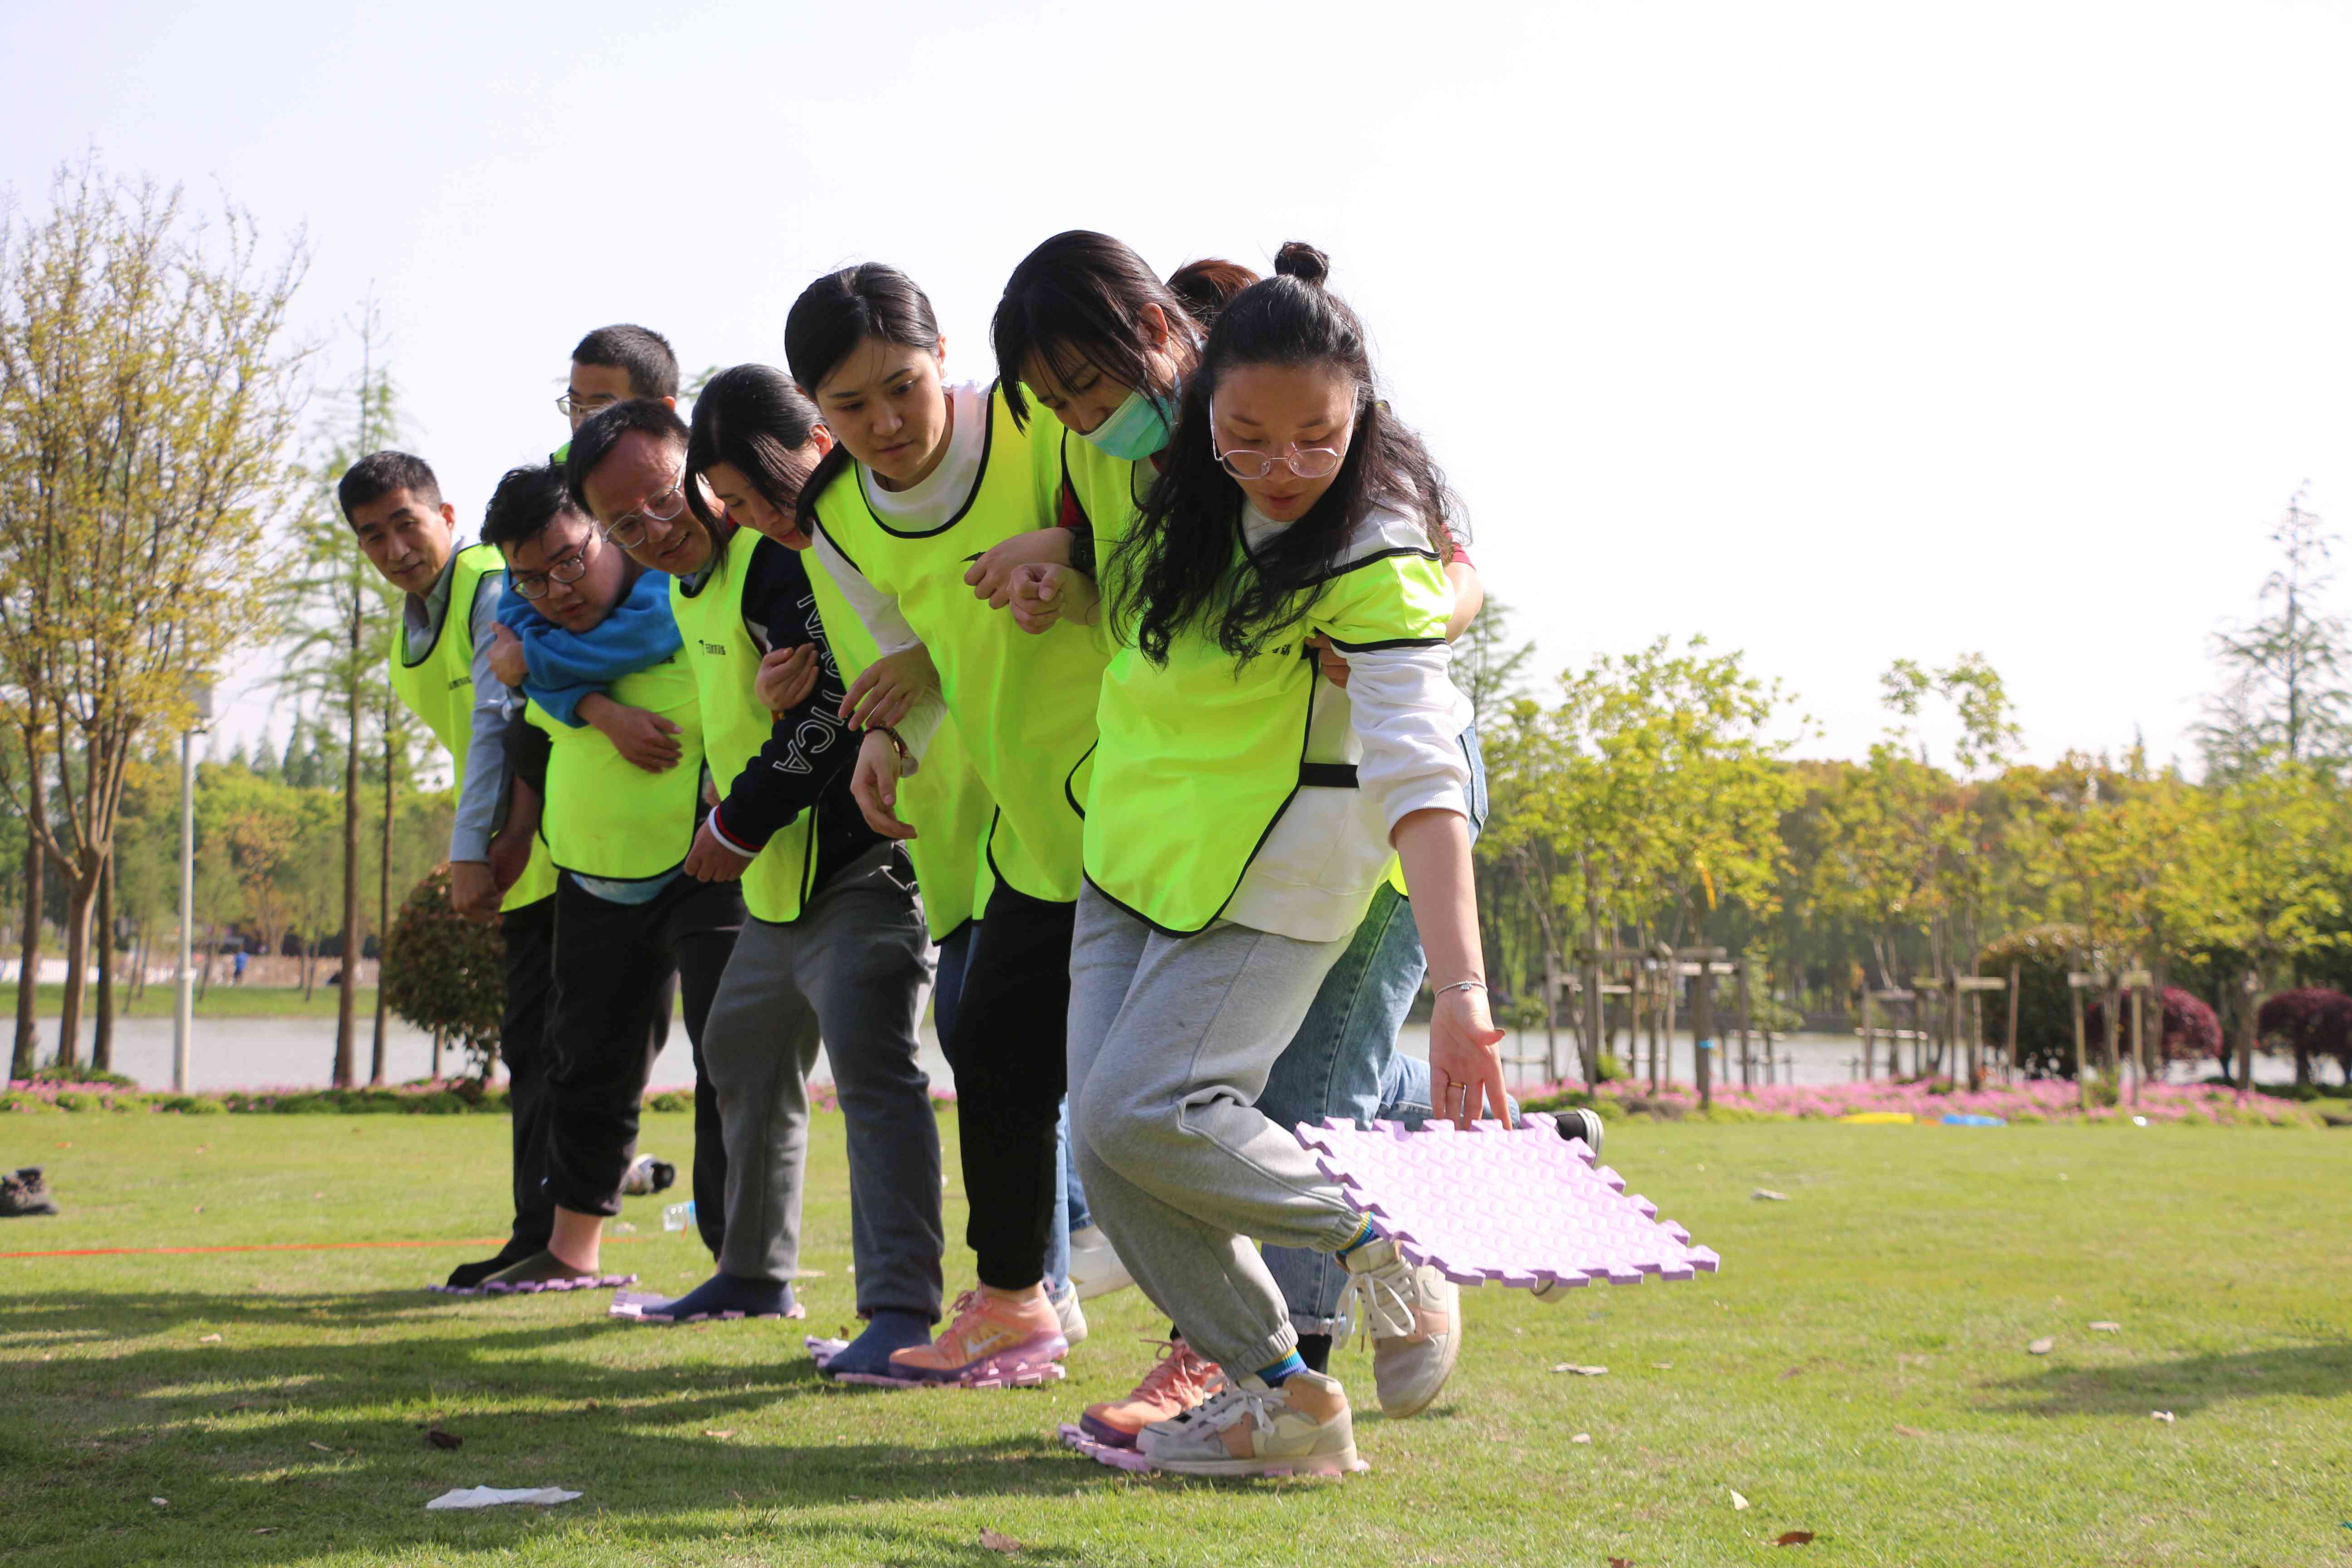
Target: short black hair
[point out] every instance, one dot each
(594, 441)
(379, 474)
(642, 352)
(528, 498)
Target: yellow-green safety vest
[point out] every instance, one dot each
(605, 816)
(1110, 492)
(944, 802)
(1201, 756)
(735, 723)
(437, 682)
(1023, 705)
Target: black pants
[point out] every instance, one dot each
(1008, 1043)
(530, 933)
(611, 962)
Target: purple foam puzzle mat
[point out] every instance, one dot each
(538, 1287)
(1133, 1461)
(1519, 1206)
(996, 1371)
(637, 1307)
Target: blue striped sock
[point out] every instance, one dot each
(1362, 1237)
(1275, 1376)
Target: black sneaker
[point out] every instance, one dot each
(24, 1193)
(648, 1177)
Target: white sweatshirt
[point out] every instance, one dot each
(1400, 719)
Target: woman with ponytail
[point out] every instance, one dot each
(1081, 314)
(1243, 818)
(928, 492)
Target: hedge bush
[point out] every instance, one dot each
(447, 974)
(2191, 1031)
(2045, 1018)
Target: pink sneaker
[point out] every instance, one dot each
(993, 1342)
(1180, 1379)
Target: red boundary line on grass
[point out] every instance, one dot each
(260, 1246)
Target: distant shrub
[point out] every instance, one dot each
(670, 1099)
(2190, 1032)
(2311, 1022)
(50, 1072)
(445, 974)
(2045, 1018)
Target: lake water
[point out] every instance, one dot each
(259, 1053)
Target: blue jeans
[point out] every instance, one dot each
(1344, 1060)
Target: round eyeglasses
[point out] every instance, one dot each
(628, 529)
(569, 567)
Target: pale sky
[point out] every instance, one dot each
(1839, 333)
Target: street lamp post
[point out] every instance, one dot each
(183, 1010)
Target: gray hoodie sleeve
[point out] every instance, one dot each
(486, 769)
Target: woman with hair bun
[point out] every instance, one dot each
(1080, 314)
(1243, 815)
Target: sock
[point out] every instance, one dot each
(726, 1293)
(1362, 1237)
(870, 1352)
(1315, 1350)
(1281, 1372)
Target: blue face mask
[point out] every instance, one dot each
(1136, 430)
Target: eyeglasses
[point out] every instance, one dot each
(628, 529)
(1307, 462)
(569, 567)
(581, 407)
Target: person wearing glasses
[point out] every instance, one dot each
(924, 486)
(834, 946)
(497, 870)
(1290, 505)
(614, 364)
(625, 915)
(1092, 335)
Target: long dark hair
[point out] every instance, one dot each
(1076, 299)
(826, 323)
(1175, 566)
(753, 419)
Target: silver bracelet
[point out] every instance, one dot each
(1459, 985)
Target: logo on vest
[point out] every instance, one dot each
(458, 680)
(713, 649)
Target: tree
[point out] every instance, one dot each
(2284, 694)
(147, 399)
(346, 612)
(1655, 782)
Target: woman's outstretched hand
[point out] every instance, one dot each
(1465, 1063)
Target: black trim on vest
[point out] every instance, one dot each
(829, 538)
(1378, 555)
(979, 477)
(1386, 643)
(1072, 796)
(1327, 775)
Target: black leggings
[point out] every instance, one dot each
(1008, 1043)
(612, 963)
(530, 933)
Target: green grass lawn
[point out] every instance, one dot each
(221, 1000)
(1858, 1369)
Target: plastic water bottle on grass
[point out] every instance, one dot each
(677, 1216)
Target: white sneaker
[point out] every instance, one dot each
(1414, 1318)
(1074, 1321)
(1302, 1427)
(1095, 1268)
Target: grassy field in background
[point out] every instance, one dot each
(222, 1001)
(1858, 1369)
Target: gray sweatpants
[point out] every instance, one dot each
(851, 971)
(1171, 1042)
